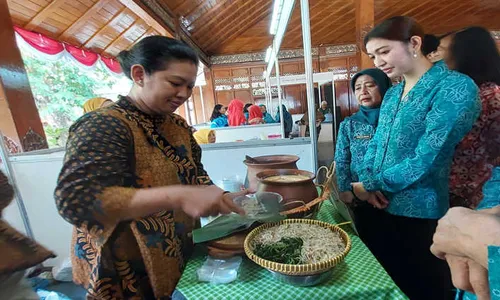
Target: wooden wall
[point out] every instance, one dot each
(245, 82)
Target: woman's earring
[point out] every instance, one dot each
(415, 53)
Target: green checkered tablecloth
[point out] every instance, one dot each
(359, 277)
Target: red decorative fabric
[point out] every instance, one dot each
(112, 64)
(40, 42)
(85, 57)
(50, 46)
(478, 152)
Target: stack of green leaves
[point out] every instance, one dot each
(285, 251)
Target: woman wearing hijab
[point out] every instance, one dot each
(235, 113)
(95, 103)
(287, 119)
(255, 116)
(218, 118)
(204, 136)
(354, 135)
(267, 116)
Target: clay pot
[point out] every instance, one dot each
(268, 162)
(296, 193)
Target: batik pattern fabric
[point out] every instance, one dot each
(111, 153)
(268, 118)
(477, 153)
(410, 156)
(352, 143)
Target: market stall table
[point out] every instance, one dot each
(360, 276)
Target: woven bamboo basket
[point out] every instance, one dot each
(305, 269)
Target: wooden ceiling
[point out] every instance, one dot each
(231, 26)
(243, 26)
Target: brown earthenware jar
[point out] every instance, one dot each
(294, 193)
(268, 162)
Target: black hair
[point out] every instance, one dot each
(430, 44)
(245, 108)
(216, 112)
(399, 28)
(153, 53)
(473, 52)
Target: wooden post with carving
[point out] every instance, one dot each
(365, 18)
(16, 88)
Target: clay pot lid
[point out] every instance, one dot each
(272, 160)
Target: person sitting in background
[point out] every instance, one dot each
(473, 52)
(255, 116)
(17, 253)
(95, 103)
(354, 135)
(267, 116)
(235, 114)
(218, 118)
(245, 110)
(430, 48)
(204, 136)
(287, 120)
(319, 118)
(324, 109)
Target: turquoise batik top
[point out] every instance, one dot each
(494, 271)
(221, 121)
(491, 191)
(268, 118)
(410, 156)
(352, 143)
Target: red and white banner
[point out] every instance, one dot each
(54, 50)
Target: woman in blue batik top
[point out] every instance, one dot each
(354, 135)
(219, 118)
(408, 161)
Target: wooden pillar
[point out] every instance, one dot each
(16, 89)
(365, 18)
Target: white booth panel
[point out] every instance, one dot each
(36, 178)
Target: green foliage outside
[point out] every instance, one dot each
(60, 88)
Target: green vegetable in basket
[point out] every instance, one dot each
(285, 251)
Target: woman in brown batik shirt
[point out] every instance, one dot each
(132, 181)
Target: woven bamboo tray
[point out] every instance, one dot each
(306, 269)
